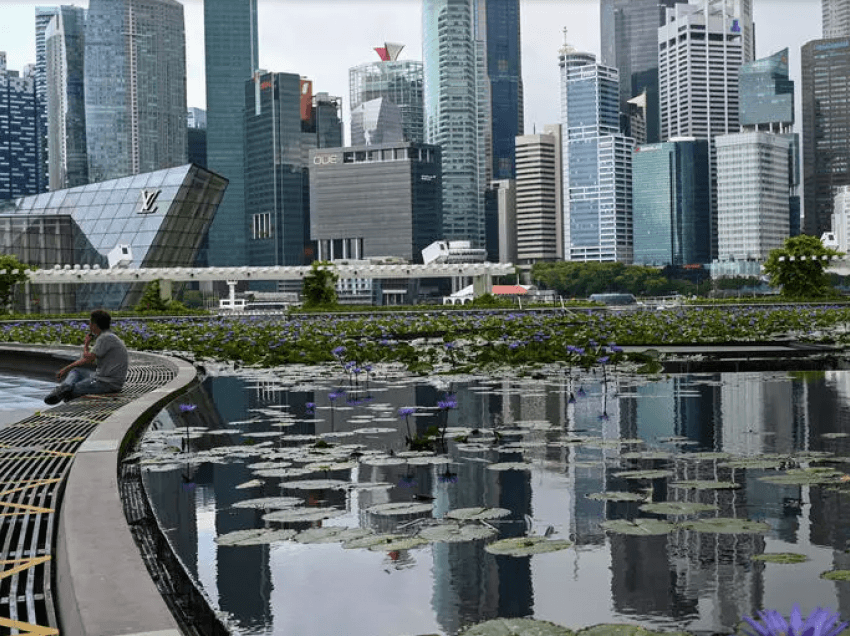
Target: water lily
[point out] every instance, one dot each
(821, 622)
(187, 408)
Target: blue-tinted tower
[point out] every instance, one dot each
(20, 168)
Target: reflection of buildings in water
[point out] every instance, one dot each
(757, 414)
(716, 573)
(471, 585)
(841, 561)
(828, 405)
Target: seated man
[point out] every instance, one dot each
(108, 353)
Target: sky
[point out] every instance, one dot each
(322, 39)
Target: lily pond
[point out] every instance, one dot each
(306, 502)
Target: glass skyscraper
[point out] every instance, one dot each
(135, 85)
(20, 169)
(597, 162)
(629, 39)
(826, 128)
(231, 56)
(766, 94)
(457, 113)
(43, 17)
(672, 221)
(66, 105)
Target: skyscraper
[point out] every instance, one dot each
(43, 17)
(499, 30)
(629, 39)
(672, 220)
(538, 197)
(597, 162)
(457, 113)
(135, 86)
(196, 119)
(231, 56)
(836, 18)
(20, 170)
(398, 82)
(377, 121)
(66, 105)
(826, 128)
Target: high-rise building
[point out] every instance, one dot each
(826, 128)
(836, 18)
(671, 214)
(135, 86)
(43, 17)
(629, 39)
(499, 30)
(840, 235)
(538, 197)
(196, 119)
(457, 119)
(504, 191)
(701, 48)
(64, 43)
(596, 160)
(231, 57)
(397, 81)
(20, 169)
(377, 121)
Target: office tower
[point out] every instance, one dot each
(397, 81)
(348, 220)
(505, 193)
(629, 39)
(377, 121)
(836, 18)
(325, 120)
(499, 30)
(840, 235)
(701, 48)
(43, 17)
(672, 220)
(456, 113)
(66, 105)
(135, 86)
(826, 128)
(231, 57)
(20, 170)
(196, 141)
(596, 160)
(538, 197)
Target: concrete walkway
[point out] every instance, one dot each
(69, 455)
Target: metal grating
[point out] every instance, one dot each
(35, 457)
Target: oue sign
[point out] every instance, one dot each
(325, 160)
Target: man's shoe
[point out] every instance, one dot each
(68, 395)
(55, 396)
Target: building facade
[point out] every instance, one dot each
(840, 235)
(672, 219)
(629, 39)
(836, 18)
(538, 197)
(826, 128)
(43, 17)
(596, 160)
(231, 57)
(377, 121)
(505, 194)
(135, 87)
(399, 82)
(155, 219)
(20, 169)
(457, 104)
(196, 119)
(375, 201)
(66, 104)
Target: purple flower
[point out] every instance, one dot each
(615, 349)
(338, 351)
(448, 402)
(310, 406)
(186, 408)
(821, 622)
(603, 360)
(335, 394)
(406, 411)
(581, 392)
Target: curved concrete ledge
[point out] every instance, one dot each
(103, 587)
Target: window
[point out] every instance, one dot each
(261, 226)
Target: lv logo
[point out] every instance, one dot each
(149, 198)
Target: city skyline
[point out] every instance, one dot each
(343, 42)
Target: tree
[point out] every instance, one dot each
(320, 286)
(15, 272)
(799, 267)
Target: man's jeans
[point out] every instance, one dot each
(82, 382)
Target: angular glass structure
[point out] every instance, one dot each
(766, 94)
(154, 219)
(231, 56)
(671, 214)
(375, 122)
(397, 81)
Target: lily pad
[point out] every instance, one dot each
(638, 527)
(509, 466)
(477, 514)
(402, 543)
(624, 630)
(526, 546)
(806, 477)
(457, 532)
(400, 508)
(254, 536)
(754, 463)
(296, 515)
(781, 557)
(677, 508)
(367, 541)
(615, 495)
(706, 484)
(250, 484)
(270, 503)
(836, 575)
(331, 534)
(706, 456)
(315, 484)
(517, 627)
(648, 455)
(726, 525)
(644, 474)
